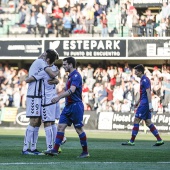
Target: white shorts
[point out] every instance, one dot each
(57, 113)
(48, 112)
(33, 107)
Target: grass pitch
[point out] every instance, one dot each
(106, 152)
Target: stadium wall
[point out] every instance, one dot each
(13, 117)
(89, 50)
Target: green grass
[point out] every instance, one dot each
(106, 152)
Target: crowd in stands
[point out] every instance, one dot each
(111, 88)
(106, 17)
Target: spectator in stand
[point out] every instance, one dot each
(117, 106)
(118, 93)
(42, 21)
(155, 102)
(98, 75)
(5, 100)
(32, 24)
(85, 92)
(97, 13)
(91, 99)
(135, 22)
(90, 80)
(105, 76)
(164, 69)
(57, 21)
(109, 91)
(136, 89)
(111, 71)
(16, 96)
(103, 4)
(156, 71)
(63, 5)
(102, 99)
(89, 19)
(142, 25)
(96, 94)
(103, 21)
(22, 74)
(149, 23)
(156, 85)
(167, 22)
(9, 92)
(119, 76)
(123, 14)
(23, 92)
(161, 29)
(129, 92)
(126, 106)
(129, 23)
(2, 78)
(165, 10)
(67, 21)
(166, 89)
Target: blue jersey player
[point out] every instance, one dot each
(73, 110)
(144, 108)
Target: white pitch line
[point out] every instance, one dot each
(51, 163)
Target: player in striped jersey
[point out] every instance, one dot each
(34, 96)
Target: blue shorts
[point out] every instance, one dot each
(72, 114)
(143, 112)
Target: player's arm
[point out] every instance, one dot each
(51, 73)
(53, 81)
(35, 77)
(30, 79)
(67, 93)
(148, 91)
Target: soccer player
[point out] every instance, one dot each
(50, 111)
(73, 110)
(144, 109)
(33, 109)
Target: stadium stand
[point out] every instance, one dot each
(83, 17)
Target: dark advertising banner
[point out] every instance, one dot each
(149, 48)
(124, 121)
(20, 48)
(88, 49)
(13, 117)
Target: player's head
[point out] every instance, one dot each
(139, 70)
(69, 63)
(51, 55)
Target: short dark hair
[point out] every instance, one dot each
(52, 55)
(140, 68)
(70, 60)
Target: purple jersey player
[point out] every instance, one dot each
(144, 108)
(73, 110)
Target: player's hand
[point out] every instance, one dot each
(55, 100)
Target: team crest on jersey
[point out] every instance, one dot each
(76, 75)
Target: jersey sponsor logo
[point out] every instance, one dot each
(21, 119)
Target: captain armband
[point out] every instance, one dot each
(69, 91)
